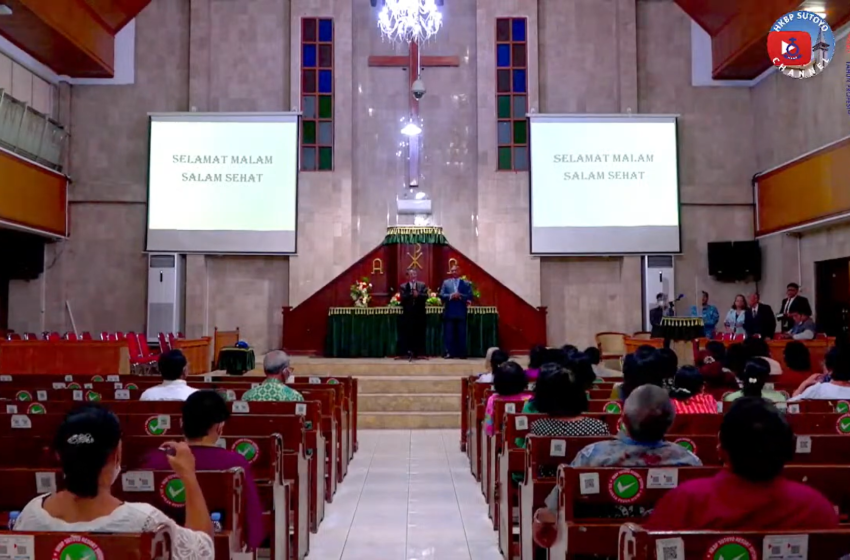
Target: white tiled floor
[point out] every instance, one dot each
(408, 495)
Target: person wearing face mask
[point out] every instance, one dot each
(661, 310)
(204, 415)
(88, 445)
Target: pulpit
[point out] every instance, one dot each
(328, 324)
(681, 335)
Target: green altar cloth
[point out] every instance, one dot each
(236, 361)
(372, 332)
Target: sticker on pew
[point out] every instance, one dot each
(36, 408)
(21, 422)
(626, 486)
(842, 407)
(137, 481)
(687, 444)
(301, 409)
(670, 549)
(69, 378)
(113, 378)
(588, 483)
(792, 408)
(45, 482)
(77, 395)
(315, 381)
(240, 407)
(93, 396)
(158, 425)
(804, 444)
(785, 547)
(59, 385)
(558, 448)
(121, 395)
(11, 409)
(97, 379)
(74, 385)
(521, 422)
(77, 547)
(132, 387)
(333, 381)
(5, 378)
(88, 385)
(510, 408)
(842, 425)
(665, 479)
(41, 395)
(23, 396)
(17, 547)
(118, 385)
(247, 448)
(730, 548)
(172, 491)
(612, 408)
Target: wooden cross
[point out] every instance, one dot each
(413, 64)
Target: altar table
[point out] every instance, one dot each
(372, 332)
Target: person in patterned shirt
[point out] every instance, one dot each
(278, 371)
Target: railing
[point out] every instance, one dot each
(31, 134)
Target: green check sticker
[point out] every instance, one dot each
(36, 408)
(93, 396)
(153, 428)
(172, 491)
(731, 548)
(625, 486)
(842, 407)
(842, 425)
(333, 382)
(131, 387)
(687, 444)
(74, 385)
(23, 396)
(247, 448)
(77, 547)
(97, 379)
(613, 408)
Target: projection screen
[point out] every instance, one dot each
(604, 184)
(223, 183)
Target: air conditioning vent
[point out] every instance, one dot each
(659, 261)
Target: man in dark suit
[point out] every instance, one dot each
(793, 303)
(759, 318)
(456, 295)
(414, 294)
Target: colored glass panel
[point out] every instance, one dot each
(520, 132)
(326, 159)
(503, 30)
(518, 29)
(503, 56)
(308, 132)
(520, 104)
(519, 81)
(326, 109)
(308, 158)
(518, 57)
(326, 133)
(326, 81)
(308, 56)
(326, 30)
(504, 159)
(309, 81)
(503, 81)
(326, 56)
(308, 107)
(521, 158)
(504, 132)
(503, 102)
(308, 33)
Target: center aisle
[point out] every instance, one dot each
(408, 495)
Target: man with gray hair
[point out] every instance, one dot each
(648, 414)
(278, 370)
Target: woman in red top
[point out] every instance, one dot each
(688, 395)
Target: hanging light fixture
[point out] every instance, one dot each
(410, 20)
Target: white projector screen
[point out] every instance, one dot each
(604, 184)
(223, 183)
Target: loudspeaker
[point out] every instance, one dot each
(21, 255)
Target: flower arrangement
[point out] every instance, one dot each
(360, 292)
(433, 300)
(395, 301)
(476, 293)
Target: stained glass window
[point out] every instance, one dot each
(317, 99)
(512, 93)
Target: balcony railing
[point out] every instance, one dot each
(31, 134)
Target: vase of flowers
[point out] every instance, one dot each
(433, 300)
(476, 293)
(360, 292)
(395, 301)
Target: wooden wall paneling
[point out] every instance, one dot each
(32, 196)
(197, 352)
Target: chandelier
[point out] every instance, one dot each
(410, 21)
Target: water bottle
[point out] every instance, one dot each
(13, 517)
(216, 521)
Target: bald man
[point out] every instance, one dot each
(277, 367)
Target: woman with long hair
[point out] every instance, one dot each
(688, 395)
(509, 383)
(734, 321)
(753, 379)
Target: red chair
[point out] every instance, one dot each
(30, 336)
(164, 344)
(104, 335)
(13, 336)
(52, 336)
(71, 336)
(86, 335)
(122, 336)
(138, 360)
(171, 339)
(738, 337)
(143, 346)
(180, 335)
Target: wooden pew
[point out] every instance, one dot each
(464, 410)
(23, 357)
(223, 493)
(350, 388)
(634, 543)
(129, 546)
(476, 419)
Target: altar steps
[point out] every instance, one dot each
(408, 420)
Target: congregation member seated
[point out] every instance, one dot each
(753, 378)
(536, 358)
(599, 370)
(798, 363)
(493, 359)
(758, 348)
(832, 385)
(712, 367)
(639, 368)
(88, 445)
(278, 372)
(668, 366)
(173, 368)
(750, 493)
(804, 327)
(204, 416)
(561, 395)
(509, 383)
(734, 322)
(582, 367)
(648, 414)
(688, 393)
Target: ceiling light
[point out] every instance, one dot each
(411, 129)
(409, 20)
(5, 10)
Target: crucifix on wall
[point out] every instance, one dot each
(413, 63)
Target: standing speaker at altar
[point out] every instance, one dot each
(414, 294)
(456, 294)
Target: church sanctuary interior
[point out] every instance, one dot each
(424, 279)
